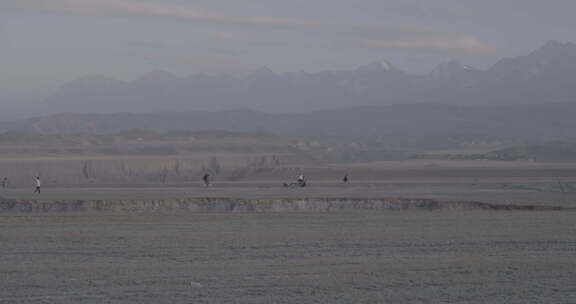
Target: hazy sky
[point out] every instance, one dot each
(44, 43)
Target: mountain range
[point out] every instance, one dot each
(403, 126)
(546, 75)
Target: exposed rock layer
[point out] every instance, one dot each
(231, 205)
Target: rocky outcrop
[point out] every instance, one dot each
(232, 205)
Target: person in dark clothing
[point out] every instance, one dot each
(345, 179)
(4, 183)
(206, 180)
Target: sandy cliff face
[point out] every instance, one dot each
(80, 170)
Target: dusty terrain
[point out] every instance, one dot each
(361, 256)
(523, 191)
(390, 257)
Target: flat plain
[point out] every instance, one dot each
(358, 257)
(377, 256)
(520, 193)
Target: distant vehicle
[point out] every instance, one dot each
(300, 182)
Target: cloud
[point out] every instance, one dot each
(239, 37)
(132, 8)
(419, 38)
(455, 43)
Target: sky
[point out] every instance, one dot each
(44, 43)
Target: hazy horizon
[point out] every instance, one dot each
(47, 43)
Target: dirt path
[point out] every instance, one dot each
(492, 193)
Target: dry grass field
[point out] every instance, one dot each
(387, 257)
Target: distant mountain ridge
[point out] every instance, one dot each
(406, 125)
(546, 75)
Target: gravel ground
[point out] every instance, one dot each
(386, 257)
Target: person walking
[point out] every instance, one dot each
(4, 183)
(38, 184)
(206, 180)
(345, 179)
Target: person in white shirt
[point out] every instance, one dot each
(38, 184)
